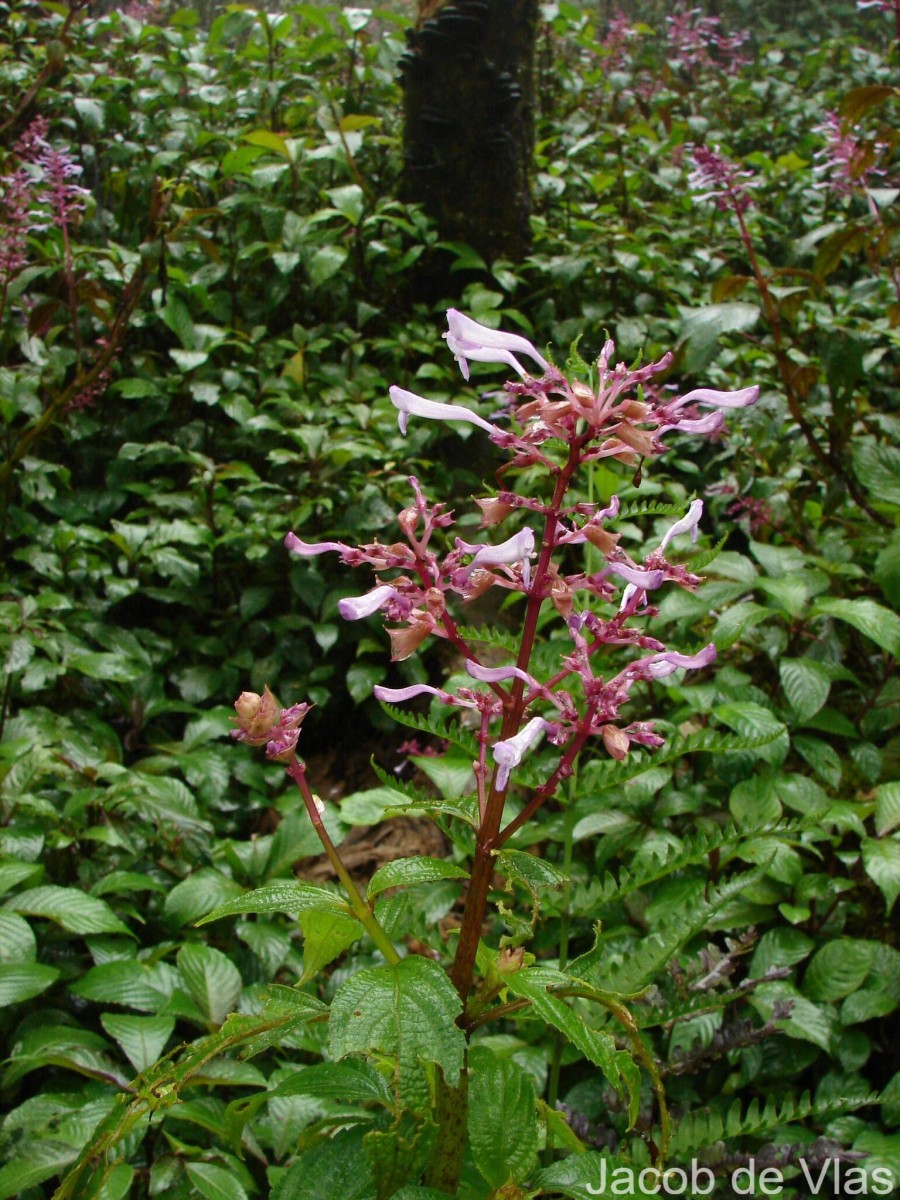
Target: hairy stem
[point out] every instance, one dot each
(297, 771)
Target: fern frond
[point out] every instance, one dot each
(649, 508)
(466, 808)
(696, 850)
(701, 561)
(441, 727)
(697, 1130)
(489, 635)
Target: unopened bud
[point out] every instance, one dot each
(510, 959)
(257, 716)
(615, 741)
(493, 511)
(408, 520)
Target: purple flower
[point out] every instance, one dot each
(498, 674)
(688, 523)
(648, 580)
(408, 403)
(712, 398)
(509, 753)
(398, 695)
(355, 608)
(658, 666)
(471, 342)
(716, 177)
(518, 548)
(309, 549)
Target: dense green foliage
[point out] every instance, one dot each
(197, 362)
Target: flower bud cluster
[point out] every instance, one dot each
(260, 722)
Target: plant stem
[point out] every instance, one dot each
(297, 771)
(564, 928)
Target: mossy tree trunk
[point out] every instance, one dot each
(469, 120)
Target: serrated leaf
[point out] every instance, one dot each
(24, 980)
(597, 1046)
(353, 1081)
(128, 982)
(807, 1022)
(284, 896)
(806, 684)
(71, 908)
(502, 1121)
(141, 1038)
(407, 1010)
(407, 872)
(325, 937)
(837, 969)
(333, 1169)
(536, 873)
(878, 623)
(212, 979)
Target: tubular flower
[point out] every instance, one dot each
(518, 548)
(509, 753)
(658, 666)
(310, 549)
(498, 674)
(355, 608)
(409, 404)
(397, 695)
(689, 523)
(472, 342)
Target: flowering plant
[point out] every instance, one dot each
(551, 426)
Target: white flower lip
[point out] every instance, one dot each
(354, 608)
(689, 523)
(509, 753)
(518, 548)
(642, 579)
(473, 342)
(409, 404)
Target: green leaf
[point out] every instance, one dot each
(807, 1022)
(887, 808)
(806, 684)
(325, 937)
(129, 983)
(881, 859)
(195, 896)
(69, 907)
(353, 1081)
(348, 200)
(503, 1130)
(838, 968)
(597, 1046)
(46, 1157)
(24, 980)
(215, 1183)
(110, 667)
(407, 1010)
(874, 620)
(17, 940)
(269, 141)
(281, 896)
(141, 1038)
(325, 263)
(333, 1169)
(212, 979)
(534, 872)
(406, 872)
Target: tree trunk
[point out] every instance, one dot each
(469, 120)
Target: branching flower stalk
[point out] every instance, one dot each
(562, 426)
(716, 178)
